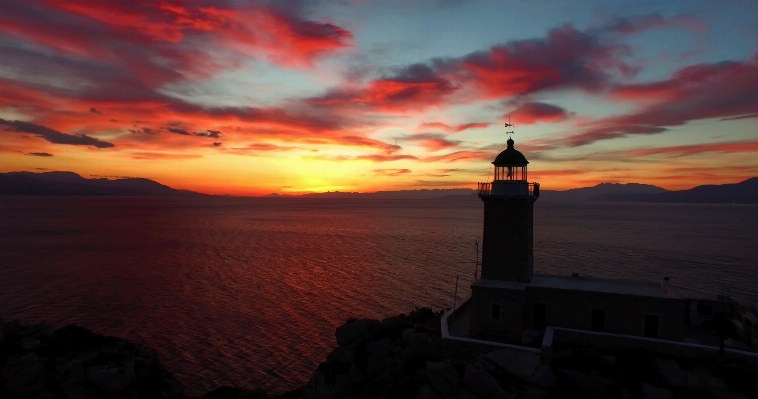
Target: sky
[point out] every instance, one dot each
(259, 97)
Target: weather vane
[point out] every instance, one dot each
(509, 124)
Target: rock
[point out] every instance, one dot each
(654, 392)
(477, 380)
(442, 377)
(543, 377)
(426, 392)
(70, 371)
(30, 344)
(109, 378)
(349, 332)
(671, 373)
(377, 352)
(15, 330)
(317, 388)
(717, 387)
(592, 385)
(516, 362)
(21, 370)
(444, 380)
(461, 393)
(407, 333)
(732, 395)
(234, 393)
(418, 341)
(696, 381)
(341, 386)
(609, 360)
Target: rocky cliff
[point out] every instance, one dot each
(399, 357)
(404, 357)
(40, 362)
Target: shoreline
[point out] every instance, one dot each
(401, 356)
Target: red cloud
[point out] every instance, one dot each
(460, 155)
(391, 172)
(431, 141)
(687, 150)
(722, 90)
(534, 112)
(454, 129)
(167, 40)
(413, 88)
(566, 58)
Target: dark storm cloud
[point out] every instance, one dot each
(40, 154)
(178, 131)
(54, 136)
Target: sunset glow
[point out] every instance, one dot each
(252, 98)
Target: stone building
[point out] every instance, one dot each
(509, 300)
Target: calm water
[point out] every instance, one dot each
(248, 292)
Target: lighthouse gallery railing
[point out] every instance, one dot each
(509, 188)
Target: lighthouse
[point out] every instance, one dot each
(509, 303)
(507, 251)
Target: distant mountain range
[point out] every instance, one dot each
(745, 192)
(403, 194)
(70, 183)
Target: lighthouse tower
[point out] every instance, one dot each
(507, 249)
(510, 304)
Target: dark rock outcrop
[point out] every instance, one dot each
(40, 362)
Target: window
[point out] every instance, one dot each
(539, 316)
(704, 309)
(598, 320)
(651, 326)
(495, 311)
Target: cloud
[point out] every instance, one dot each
(259, 147)
(431, 141)
(366, 157)
(454, 129)
(391, 172)
(630, 25)
(210, 133)
(162, 155)
(459, 156)
(411, 88)
(40, 154)
(719, 90)
(733, 147)
(178, 131)
(94, 111)
(159, 40)
(54, 136)
(216, 144)
(566, 58)
(535, 112)
(748, 116)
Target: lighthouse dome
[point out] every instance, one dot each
(510, 156)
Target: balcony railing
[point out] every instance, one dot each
(509, 188)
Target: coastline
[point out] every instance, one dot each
(401, 356)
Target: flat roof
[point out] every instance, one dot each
(587, 284)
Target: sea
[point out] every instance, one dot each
(248, 292)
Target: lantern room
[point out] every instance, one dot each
(510, 164)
